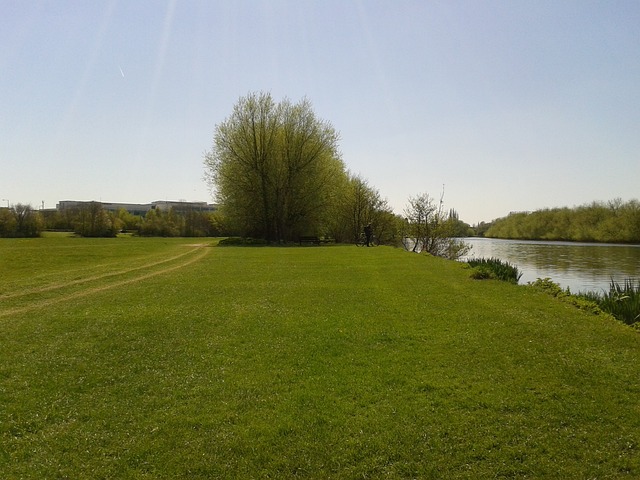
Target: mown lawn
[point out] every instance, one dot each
(154, 358)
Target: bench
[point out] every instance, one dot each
(308, 239)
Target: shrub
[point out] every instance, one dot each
(240, 241)
(482, 272)
(550, 287)
(494, 268)
(20, 221)
(623, 302)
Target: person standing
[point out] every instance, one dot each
(368, 232)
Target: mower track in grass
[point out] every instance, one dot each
(195, 253)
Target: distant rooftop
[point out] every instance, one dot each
(141, 208)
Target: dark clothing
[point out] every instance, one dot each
(368, 231)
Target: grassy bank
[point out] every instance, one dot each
(151, 358)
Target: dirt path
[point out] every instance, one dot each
(56, 286)
(193, 255)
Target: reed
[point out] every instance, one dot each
(494, 268)
(622, 301)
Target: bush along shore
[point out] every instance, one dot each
(494, 268)
(621, 301)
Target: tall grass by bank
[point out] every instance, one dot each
(494, 268)
(162, 359)
(621, 301)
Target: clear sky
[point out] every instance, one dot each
(511, 105)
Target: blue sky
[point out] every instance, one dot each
(511, 105)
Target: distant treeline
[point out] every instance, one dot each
(92, 220)
(611, 222)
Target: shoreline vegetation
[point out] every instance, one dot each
(141, 357)
(611, 222)
(622, 302)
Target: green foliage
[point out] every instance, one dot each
(613, 222)
(177, 223)
(583, 302)
(276, 169)
(92, 220)
(359, 204)
(549, 287)
(7, 223)
(431, 230)
(61, 220)
(128, 221)
(159, 223)
(480, 229)
(458, 227)
(153, 358)
(621, 301)
(482, 273)
(20, 221)
(240, 241)
(495, 269)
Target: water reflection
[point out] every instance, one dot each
(579, 266)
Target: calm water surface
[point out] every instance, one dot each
(579, 266)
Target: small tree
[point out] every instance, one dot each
(421, 221)
(128, 220)
(27, 221)
(431, 230)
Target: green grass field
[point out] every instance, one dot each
(174, 358)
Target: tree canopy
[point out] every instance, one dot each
(20, 221)
(275, 168)
(277, 173)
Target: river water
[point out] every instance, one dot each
(580, 266)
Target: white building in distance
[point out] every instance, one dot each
(142, 208)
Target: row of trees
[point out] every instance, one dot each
(276, 170)
(278, 174)
(175, 223)
(92, 220)
(611, 222)
(360, 204)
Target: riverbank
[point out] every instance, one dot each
(324, 362)
(580, 266)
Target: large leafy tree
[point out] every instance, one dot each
(275, 168)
